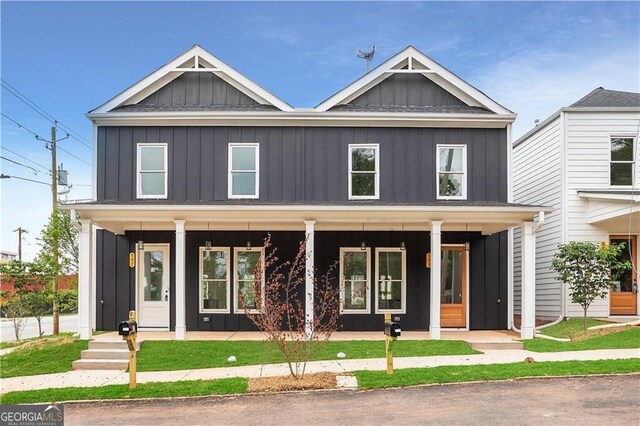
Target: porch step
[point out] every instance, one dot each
(101, 364)
(479, 346)
(105, 354)
(111, 344)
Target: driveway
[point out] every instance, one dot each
(567, 401)
(67, 323)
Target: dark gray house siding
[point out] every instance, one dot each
(299, 164)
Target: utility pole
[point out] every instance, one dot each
(55, 248)
(20, 231)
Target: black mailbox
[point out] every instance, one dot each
(127, 328)
(392, 329)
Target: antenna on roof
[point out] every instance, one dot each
(367, 56)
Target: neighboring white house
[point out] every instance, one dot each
(584, 162)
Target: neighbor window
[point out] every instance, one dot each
(243, 170)
(622, 161)
(245, 277)
(452, 169)
(390, 280)
(363, 172)
(214, 279)
(152, 170)
(354, 280)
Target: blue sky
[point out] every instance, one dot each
(70, 57)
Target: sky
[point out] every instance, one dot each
(70, 57)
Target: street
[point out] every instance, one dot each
(67, 323)
(566, 401)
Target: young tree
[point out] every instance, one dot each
(275, 303)
(14, 302)
(588, 270)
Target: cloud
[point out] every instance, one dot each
(285, 35)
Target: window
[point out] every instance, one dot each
(390, 280)
(152, 170)
(622, 164)
(214, 280)
(244, 166)
(354, 280)
(363, 172)
(452, 172)
(245, 273)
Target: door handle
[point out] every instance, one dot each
(635, 289)
(166, 295)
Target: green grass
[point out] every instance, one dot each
(451, 374)
(624, 339)
(175, 355)
(570, 327)
(50, 356)
(13, 344)
(144, 390)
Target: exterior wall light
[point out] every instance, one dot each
(363, 246)
(140, 245)
(207, 245)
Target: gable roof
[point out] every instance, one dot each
(411, 60)
(600, 97)
(195, 59)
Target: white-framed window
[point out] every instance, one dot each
(451, 166)
(364, 172)
(355, 265)
(244, 170)
(622, 155)
(245, 262)
(391, 280)
(152, 170)
(214, 280)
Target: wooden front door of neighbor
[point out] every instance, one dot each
(623, 297)
(453, 287)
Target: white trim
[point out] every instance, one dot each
(230, 170)
(166, 275)
(309, 280)
(464, 171)
(376, 149)
(94, 165)
(403, 306)
(236, 295)
(227, 252)
(434, 279)
(632, 162)
(367, 309)
(140, 147)
(466, 255)
(85, 297)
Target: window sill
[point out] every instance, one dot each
(215, 311)
(354, 312)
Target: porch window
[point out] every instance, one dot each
(364, 176)
(214, 280)
(622, 161)
(244, 167)
(390, 280)
(452, 172)
(355, 265)
(152, 170)
(245, 276)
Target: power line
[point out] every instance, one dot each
(74, 156)
(35, 172)
(21, 178)
(44, 168)
(23, 127)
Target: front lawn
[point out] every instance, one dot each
(51, 355)
(144, 390)
(627, 338)
(184, 355)
(571, 327)
(469, 373)
(14, 343)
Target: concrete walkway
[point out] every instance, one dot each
(80, 378)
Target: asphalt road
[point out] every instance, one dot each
(67, 323)
(573, 401)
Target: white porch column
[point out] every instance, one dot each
(181, 327)
(85, 299)
(309, 277)
(528, 309)
(434, 321)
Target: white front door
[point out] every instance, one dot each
(153, 286)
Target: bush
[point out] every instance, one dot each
(68, 301)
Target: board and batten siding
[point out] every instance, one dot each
(301, 164)
(537, 180)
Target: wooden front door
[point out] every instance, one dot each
(453, 287)
(623, 297)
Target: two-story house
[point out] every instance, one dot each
(584, 162)
(195, 164)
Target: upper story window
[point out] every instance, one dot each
(364, 172)
(622, 161)
(452, 172)
(244, 170)
(214, 279)
(355, 265)
(152, 170)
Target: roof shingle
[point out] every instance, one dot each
(608, 98)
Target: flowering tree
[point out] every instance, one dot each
(588, 270)
(276, 305)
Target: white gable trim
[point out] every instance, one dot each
(434, 71)
(172, 70)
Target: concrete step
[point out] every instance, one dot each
(110, 344)
(105, 354)
(479, 346)
(100, 364)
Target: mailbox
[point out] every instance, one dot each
(392, 329)
(127, 328)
